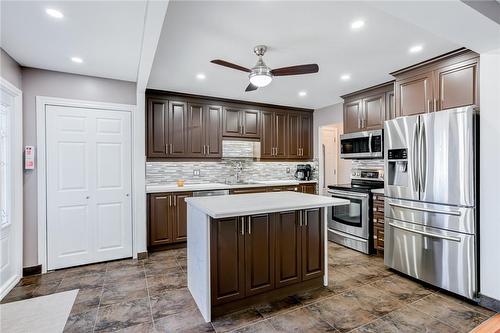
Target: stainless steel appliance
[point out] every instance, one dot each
(303, 172)
(351, 225)
(362, 145)
(431, 225)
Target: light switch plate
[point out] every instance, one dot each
(196, 172)
(287, 170)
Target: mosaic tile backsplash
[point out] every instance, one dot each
(221, 171)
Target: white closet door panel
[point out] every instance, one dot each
(88, 186)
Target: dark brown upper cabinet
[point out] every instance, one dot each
(241, 123)
(204, 133)
(390, 105)
(274, 137)
(177, 116)
(300, 135)
(157, 127)
(444, 82)
(366, 109)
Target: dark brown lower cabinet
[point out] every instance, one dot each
(167, 218)
(313, 247)
(248, 190)
(258, 254)
(308, 188)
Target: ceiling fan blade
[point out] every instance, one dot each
(230, 65)
(295, 70)
(251, 87)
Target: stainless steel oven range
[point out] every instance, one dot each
(351, 225)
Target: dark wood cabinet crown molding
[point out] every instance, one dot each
(221, 101)
(369, 91)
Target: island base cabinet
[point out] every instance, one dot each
(262, 255)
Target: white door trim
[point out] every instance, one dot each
(17, 176)
(321, 158)
(41, 103)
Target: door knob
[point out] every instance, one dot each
(128, 194)
(87, 197)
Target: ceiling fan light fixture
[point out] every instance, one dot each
(260, 80)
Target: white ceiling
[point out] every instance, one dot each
(196, 32)
(107, 35)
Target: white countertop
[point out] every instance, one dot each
(258, 203)
(220, 186)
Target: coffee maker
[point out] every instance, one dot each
(303, 172)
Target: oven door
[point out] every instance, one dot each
(368, 144)
(352, 219)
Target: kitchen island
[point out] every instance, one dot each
(249, 248)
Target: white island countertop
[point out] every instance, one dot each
(258, 203)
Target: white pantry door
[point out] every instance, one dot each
(88, 159)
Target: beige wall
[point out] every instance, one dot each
(38, 82)
(10, 69)
(332, 115)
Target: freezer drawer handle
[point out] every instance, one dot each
(430, 210)
(428, 234)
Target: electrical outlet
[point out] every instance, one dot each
(287, 170)
(196, 172)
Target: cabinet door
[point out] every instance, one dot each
(414, 95)
(457, 85)
(213, 131)
(267, 132)
(177, 128)
(313, 246)
(195, 130)
(232, 122)
(227, 253)
(159, 220)
(373, 112)
(288, 249)
(280, 134)
(259, 254)
(293, 135)
(179, 221)
(352, 116)
(390, 107)
(306, 123)
(308, 188)
(157, 114)
(250, 120)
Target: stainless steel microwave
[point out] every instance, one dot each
(362, 145)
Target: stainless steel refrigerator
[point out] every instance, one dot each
(431, 204)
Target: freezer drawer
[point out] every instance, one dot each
(459, 219)
(441, 258)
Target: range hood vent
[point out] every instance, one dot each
(240, 149)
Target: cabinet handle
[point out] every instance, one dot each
(208, 149)
(249, 226)
(175, 201)
(435, 105)
(428, 105)
(242, 220)
(305, 218)
(166, 149)
(169, 200)
(276, 151)
(157, 198)
(300, 218)
(204, 149)
(171, 148)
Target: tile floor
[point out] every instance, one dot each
(151, 296)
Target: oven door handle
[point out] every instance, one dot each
(426, 234)
(349, 194)
(428, 210)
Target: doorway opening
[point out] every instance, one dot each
(332, 170)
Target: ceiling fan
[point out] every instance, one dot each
(261, 75)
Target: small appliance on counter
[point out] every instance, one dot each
(303, 172)
(351, 225)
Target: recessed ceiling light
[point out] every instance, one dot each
(77, 60)
(302, 93)
(54, 13)
(357, 24)
(416, 48)
(345, 77)
(201, 76)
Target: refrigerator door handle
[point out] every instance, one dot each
(415, 159)
(426, 234)
(428, 210)
(422, 163)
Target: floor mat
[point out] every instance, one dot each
(39, 314)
